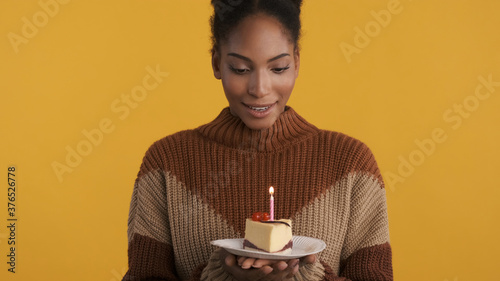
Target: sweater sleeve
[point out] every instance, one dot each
(150, 251)
(366, 254)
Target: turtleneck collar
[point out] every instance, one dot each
(231, 131)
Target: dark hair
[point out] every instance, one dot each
(229, 13)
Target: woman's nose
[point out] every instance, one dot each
(260, 84)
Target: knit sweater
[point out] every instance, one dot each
(200, 185)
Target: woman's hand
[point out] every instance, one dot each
(260, 269)
(271, 270)
(245, 262)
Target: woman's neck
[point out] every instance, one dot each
(231, 131)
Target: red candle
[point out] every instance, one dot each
(271, 207)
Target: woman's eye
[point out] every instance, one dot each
(244, 70)
(238, 70)
(281, 69)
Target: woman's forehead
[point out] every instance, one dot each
(259, 37)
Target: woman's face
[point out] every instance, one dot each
(258, 67)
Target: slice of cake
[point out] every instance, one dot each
(269, 236)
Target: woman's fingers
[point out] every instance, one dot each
(250, 274)
(265, 271)
(231, 265)
(280, 266)
(281, 270)
(262, 262)
(241, 260)
(309, 259)
(293, 265)
(244, 268)
(247, 263)
(228, 258)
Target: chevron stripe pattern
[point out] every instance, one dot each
(200, 185)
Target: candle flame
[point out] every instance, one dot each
(271, 190)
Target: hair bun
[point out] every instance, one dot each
(297, 4)
(229, 13)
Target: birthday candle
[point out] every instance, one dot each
(271, 207)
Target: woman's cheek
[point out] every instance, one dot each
(285, 85)
(235, 85)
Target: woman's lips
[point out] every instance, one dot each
(260, 110)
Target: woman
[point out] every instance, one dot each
(200, 185)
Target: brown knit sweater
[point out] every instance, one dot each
(200, 185)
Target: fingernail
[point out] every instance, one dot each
(282, 266)
(266, 270)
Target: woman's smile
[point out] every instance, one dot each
(260, 110)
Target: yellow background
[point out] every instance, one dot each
(394, 91)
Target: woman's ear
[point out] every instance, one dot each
(216, 64)
(296, 57)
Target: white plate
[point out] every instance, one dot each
(302, 246)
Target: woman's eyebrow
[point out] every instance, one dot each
(249, 60)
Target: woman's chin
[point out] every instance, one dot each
(259, 124)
